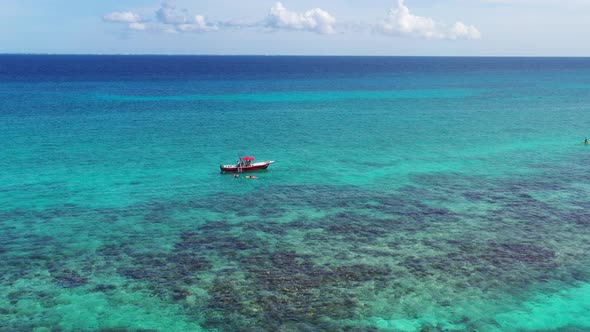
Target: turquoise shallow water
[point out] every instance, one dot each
(408, 194)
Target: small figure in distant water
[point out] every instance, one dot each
(586, 141)
(236, 175)
(251, 177)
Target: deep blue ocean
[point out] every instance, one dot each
(408, 193)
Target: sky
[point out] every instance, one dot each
(297, 27)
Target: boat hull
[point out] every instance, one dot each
(253, 167)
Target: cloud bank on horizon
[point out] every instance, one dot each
(134, 21)
(403, 23)
(316, 20)
(399, 22)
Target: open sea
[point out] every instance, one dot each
(408, 194)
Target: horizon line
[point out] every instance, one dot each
(302, 55)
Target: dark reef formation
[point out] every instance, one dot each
(267, 269)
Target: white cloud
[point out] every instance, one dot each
(316, 20)
(137, 26)
(198, 24)
(168, 14)
(460, 30)
(171, 19)
(122, 17)
(134, 20)
(401, 22)
(181, 20)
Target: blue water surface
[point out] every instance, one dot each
(408, 193)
